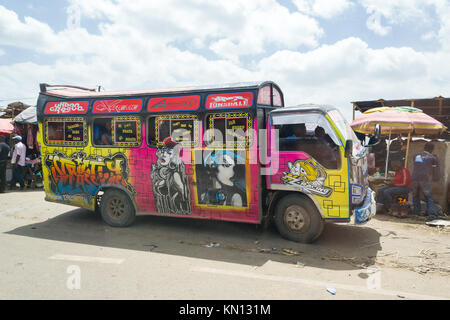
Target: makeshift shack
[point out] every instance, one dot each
(13, 109)
(439, 109)
(25, 125)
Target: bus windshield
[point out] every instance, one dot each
(343, 126)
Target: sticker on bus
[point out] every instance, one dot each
(183, 103)
(66, 107)
(119, 106)
(229, 100)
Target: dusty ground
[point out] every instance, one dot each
(172, 258)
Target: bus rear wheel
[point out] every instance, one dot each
(297, 219)
(116, 209)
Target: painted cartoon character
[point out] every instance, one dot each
(223, 186)
(170, 182)
(308, 175)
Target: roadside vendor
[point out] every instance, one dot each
(4, 152)
(400, 185)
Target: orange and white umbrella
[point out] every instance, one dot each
(397, 120)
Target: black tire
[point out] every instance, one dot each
(297, 219)
(116, 209)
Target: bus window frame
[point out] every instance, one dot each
(114, 145)
(169, 115)
(329, 127)
(237, 144)
(64, 143)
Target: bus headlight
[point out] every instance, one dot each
(356, 193)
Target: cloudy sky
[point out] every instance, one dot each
(318, 51)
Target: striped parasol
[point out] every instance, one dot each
(397, 120)
(6, 127)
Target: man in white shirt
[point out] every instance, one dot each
(18, 162)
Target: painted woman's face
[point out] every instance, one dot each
(164, 156)
(226, 168)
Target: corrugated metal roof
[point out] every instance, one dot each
(438, 107)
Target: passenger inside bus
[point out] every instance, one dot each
(311, 139)
(290, 135)
(327, 150)
(103, 131)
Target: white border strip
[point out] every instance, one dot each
(85, 259)
(321, 284)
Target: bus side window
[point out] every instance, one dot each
(310, 133)
(55, 131)
(103, 131)
(151, 131)
(65, 131)
(181, 128)
(292, 136)
(228, 129)
(327, 151)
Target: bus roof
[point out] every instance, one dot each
(73, 100)
(78, 92)
(306, 108)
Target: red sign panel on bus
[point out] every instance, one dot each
(229, 100)
(184, 103)
(120, 106)
(66, 107)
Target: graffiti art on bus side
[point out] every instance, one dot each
(170, 181)
(308, 175)
(82, 174)
(221, 179)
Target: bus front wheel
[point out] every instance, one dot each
(117, 209)
(298, 219)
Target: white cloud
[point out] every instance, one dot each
(402, 11)
(350, 70)
(230, 29)
(323, 8)
(154, 44)
(374, 23)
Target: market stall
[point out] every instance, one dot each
(6, 127)
(397, 120)
(401, 123)
(25, 125)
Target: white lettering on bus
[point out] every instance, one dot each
(66, 107)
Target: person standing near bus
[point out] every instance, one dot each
(4, 152)
(18, 162)
(424, 165)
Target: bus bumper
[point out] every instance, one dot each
(367, 210)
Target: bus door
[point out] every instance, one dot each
(308, 157)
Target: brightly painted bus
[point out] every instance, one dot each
(231, 152)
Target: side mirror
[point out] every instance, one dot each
(375, 139)
(348, 148)
(377, 131)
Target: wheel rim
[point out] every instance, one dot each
(116, 208)
(297, 219)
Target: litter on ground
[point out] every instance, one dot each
(331, 290)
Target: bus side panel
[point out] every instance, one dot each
(178, 189)
(299, 171)
(74, 175)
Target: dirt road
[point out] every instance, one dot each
(172, 258)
